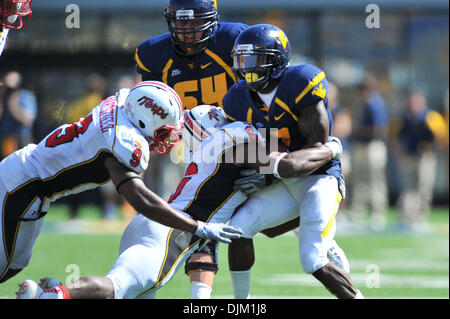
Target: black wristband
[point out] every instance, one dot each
(124, 181)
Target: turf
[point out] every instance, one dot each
(388, 264)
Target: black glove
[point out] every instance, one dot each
(252, 181)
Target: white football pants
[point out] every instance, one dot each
(314, 198)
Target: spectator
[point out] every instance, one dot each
(369, 157)
(342, 126)
(419, 131)
(95, 86)
(18, 111)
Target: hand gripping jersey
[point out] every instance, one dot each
(201, 79)
(300, 86)
(206, 192)
(70, 159)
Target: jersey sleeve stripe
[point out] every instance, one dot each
(319, 77)
(139, 62)
(166, 70)
(219, 61)
(285, 107)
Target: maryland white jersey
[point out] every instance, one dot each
(206, 191)
(70, 159)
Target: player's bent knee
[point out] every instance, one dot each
(310, 264)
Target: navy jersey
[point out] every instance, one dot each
(203, 78)
(300, 86)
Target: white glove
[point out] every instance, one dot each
(335, 145)
(252, 181)
(215, 231)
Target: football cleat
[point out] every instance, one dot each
(49, 282)
(337, 256)
(29, 290)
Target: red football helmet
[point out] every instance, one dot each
(14, 14)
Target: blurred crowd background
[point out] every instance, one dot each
(389, 90)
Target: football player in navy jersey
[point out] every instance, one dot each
(14, 15)
(292, 99)
(194, 58)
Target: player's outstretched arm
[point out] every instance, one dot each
(155, 208)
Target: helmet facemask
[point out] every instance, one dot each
(165, 138)
(190, 30)
(15, 14)
(256, 67)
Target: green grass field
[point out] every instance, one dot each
(384, 264)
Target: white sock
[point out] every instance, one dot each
(58, 292)
(200, 290)
(241, 284)
(359, 295)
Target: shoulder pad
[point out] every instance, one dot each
(231, 101)
(311, 82)
(148, 54)
(130, 147)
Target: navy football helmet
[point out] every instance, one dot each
(14, 14)
(191, 23)
(261, 52)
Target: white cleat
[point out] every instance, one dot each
(29, 290)
(49, 282)
(337, 256)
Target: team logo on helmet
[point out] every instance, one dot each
(151, 104)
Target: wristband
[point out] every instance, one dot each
(199, 229)
(275, 166)
(335, 147)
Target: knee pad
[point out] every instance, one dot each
(200, 266)
(207, 247)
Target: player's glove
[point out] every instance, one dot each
(216, 231)
(252, 181)
(335, 145)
